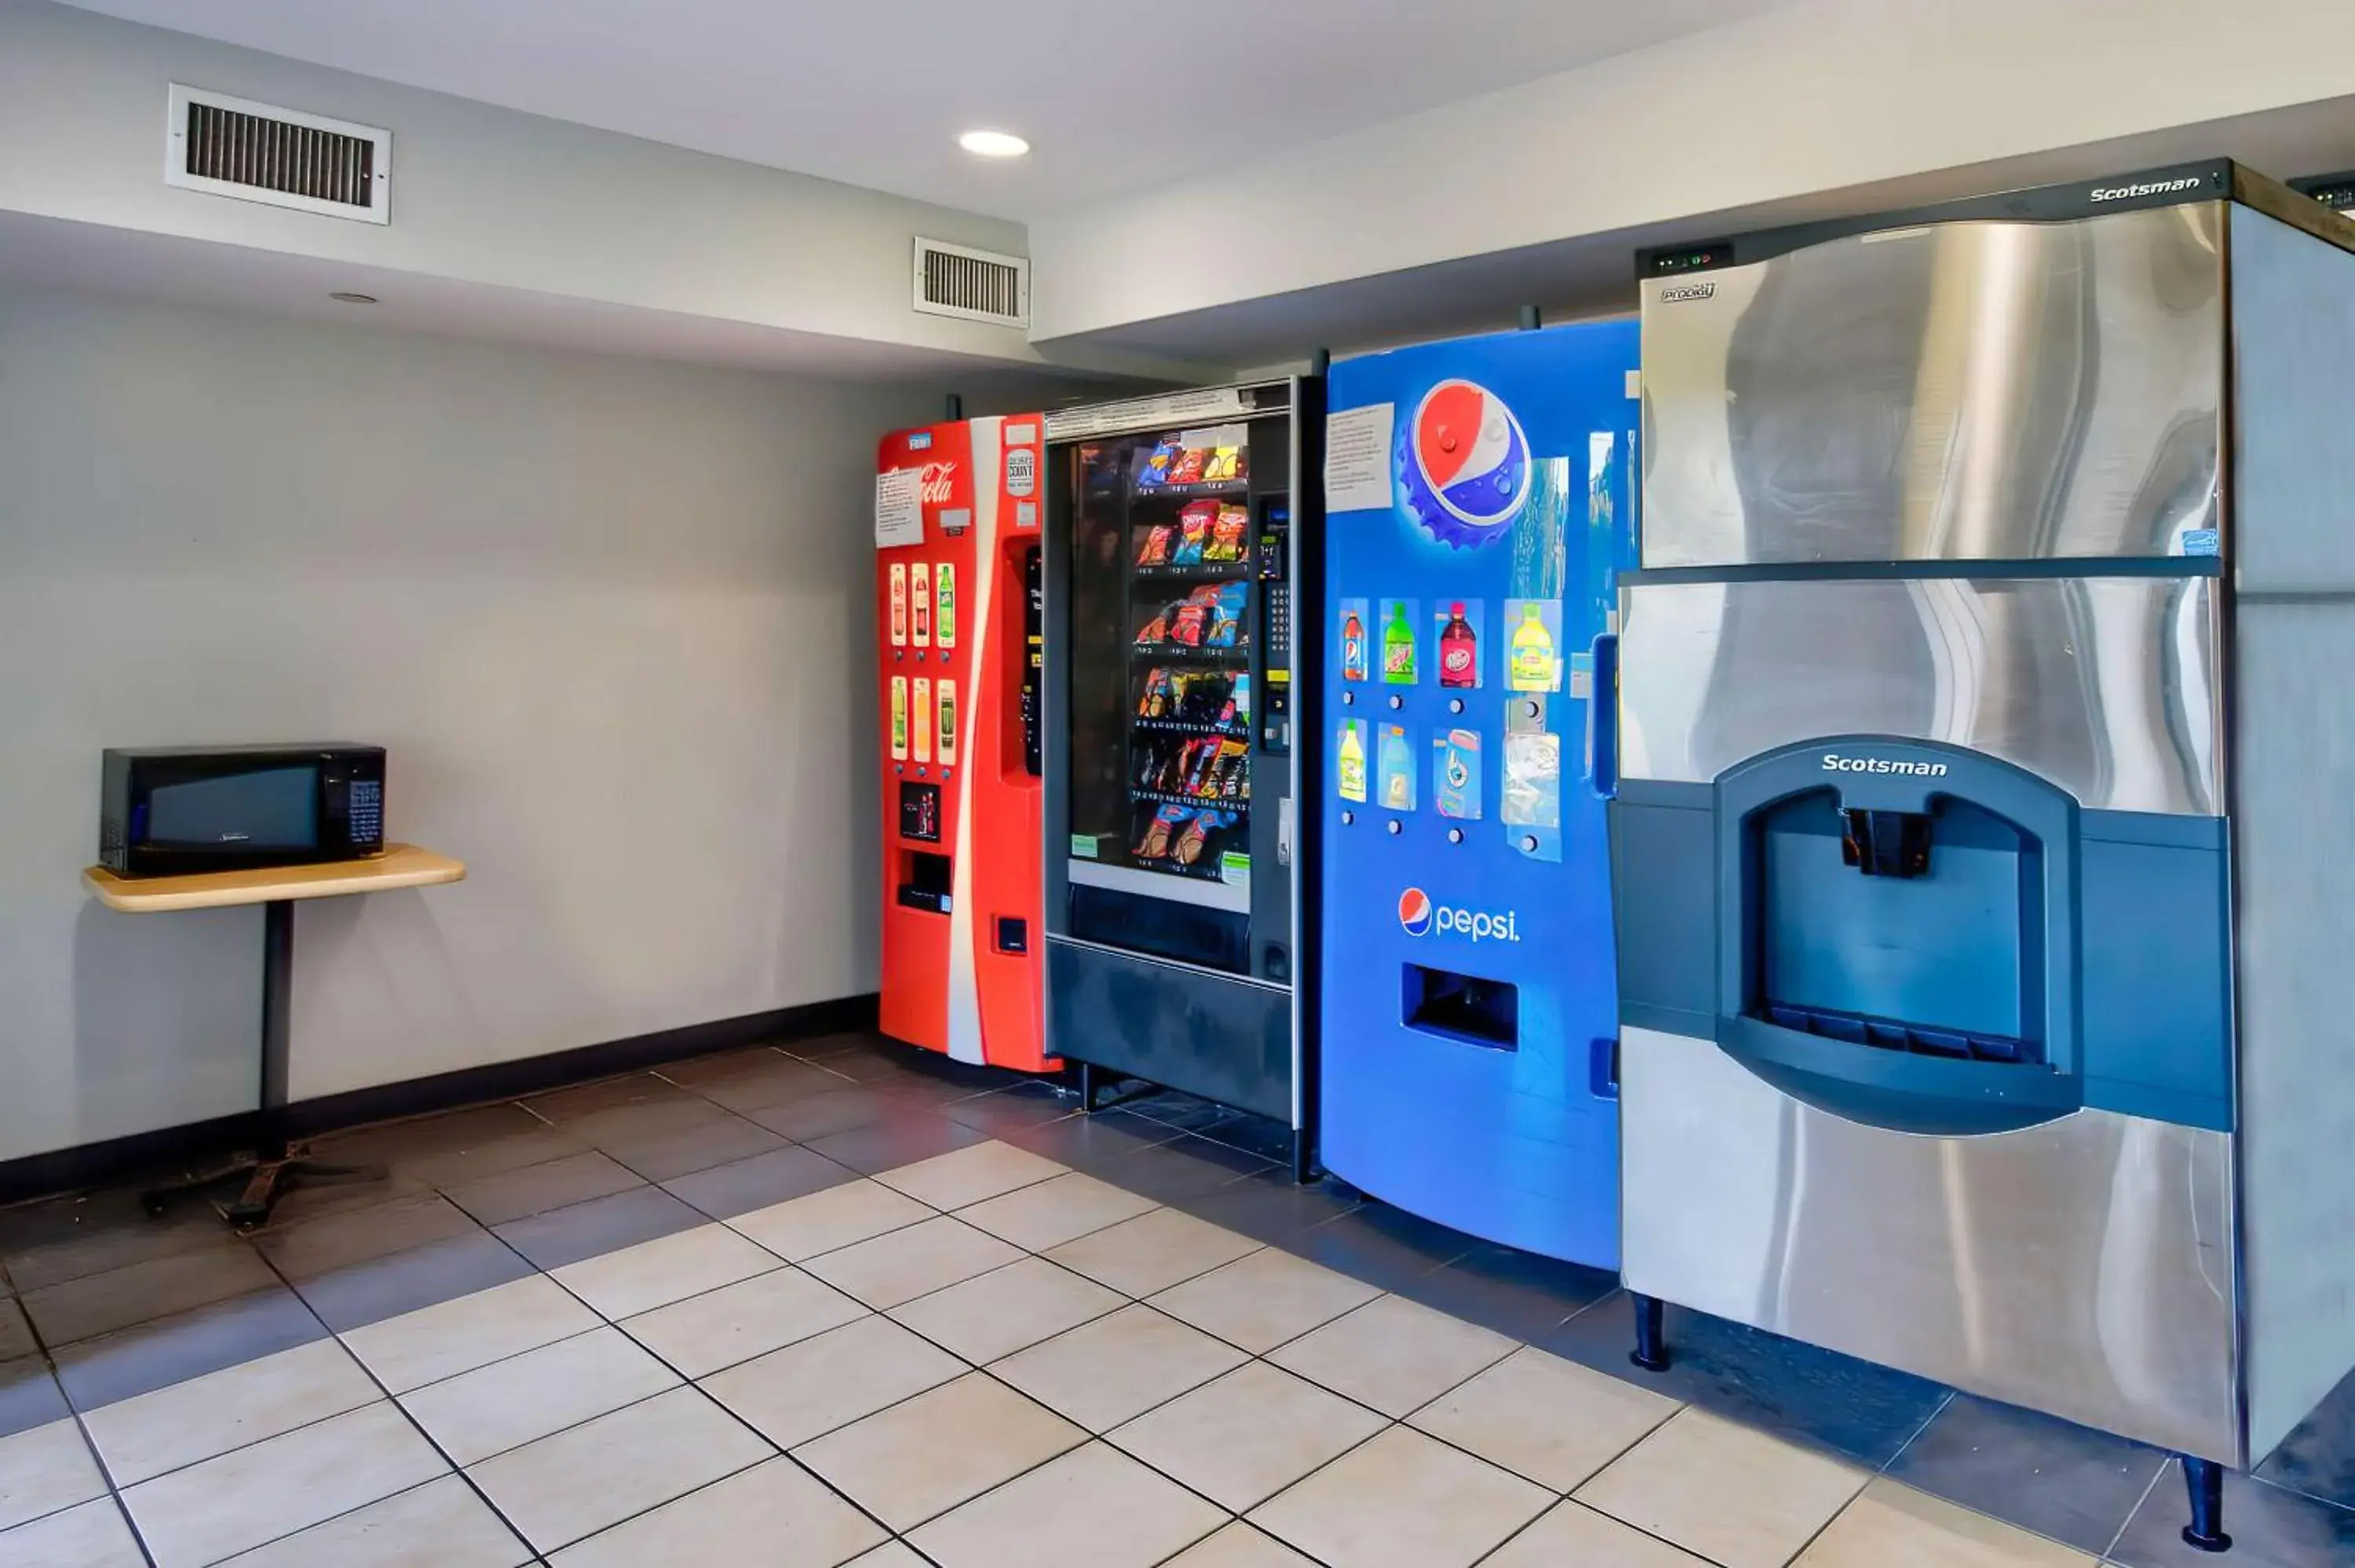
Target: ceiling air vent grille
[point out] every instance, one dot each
(227, 146)
(976, 285)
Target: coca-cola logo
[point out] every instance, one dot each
(939, 478)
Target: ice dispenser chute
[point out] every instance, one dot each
(1900, 935)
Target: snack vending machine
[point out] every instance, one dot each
(1479, 507)
(1173, 553)
(957, 515)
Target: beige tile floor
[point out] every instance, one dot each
(975, 1360)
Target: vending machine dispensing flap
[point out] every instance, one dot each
(1898, 937)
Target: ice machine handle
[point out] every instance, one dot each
(1603, 719)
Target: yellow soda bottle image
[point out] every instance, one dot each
(899, 716)
(1532, 658)
(945, 704)
(1352, 768)
(923, 719)
(945, 598)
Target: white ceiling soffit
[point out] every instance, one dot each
(1114, 95)
(1593, 275)
(94, 258)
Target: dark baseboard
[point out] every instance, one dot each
(172, 1150)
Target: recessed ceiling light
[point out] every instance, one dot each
(344, 299)
(993, 143)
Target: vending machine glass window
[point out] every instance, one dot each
(1160, 781)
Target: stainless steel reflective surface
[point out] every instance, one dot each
(2105, 686)
(1965, 391)
(2082, 1268)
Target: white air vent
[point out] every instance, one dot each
(227, 146)
(977, 285)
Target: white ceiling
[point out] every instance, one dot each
(56, 253)
(1112, 93)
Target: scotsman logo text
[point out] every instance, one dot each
(1835, 763)
(2152, 188)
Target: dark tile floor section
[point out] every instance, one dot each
(1850, 1408)
(2269, 1528)
(2318, 1459)
(101, 1303)
(2068, 1482)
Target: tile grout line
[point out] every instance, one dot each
(416, 1425)
(2128, 1523)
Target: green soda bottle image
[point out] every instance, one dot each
(944, 614)
(1532, 658)
(1398, 647)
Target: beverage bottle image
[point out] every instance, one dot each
(924, 720)
(944, 703)
(1397, 648)
(1351, 771)
(1459, 653)
(1353, 647)
(944, 594)
(1395, 763)
(898, 604)
(919, 607)
(899, 716)
(1532, 651)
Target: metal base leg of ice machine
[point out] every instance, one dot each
(2203, 1480)
(1651, 1351)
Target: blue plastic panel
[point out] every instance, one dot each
(1475, 854)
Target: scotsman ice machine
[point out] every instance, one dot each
(1987, 930)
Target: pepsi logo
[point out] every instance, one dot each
(1419, 915)
(1464, 465)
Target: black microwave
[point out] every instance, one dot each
(167, 811)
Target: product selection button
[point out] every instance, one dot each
(1397, 701)
(1455, 835)
(1396, 826)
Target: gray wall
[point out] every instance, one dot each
(611, 618)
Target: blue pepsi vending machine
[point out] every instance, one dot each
(1477, 510)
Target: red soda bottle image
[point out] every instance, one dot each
(1459, 654)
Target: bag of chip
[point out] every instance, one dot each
(1227, 532)
(1187, 467)
(1155, 846)
(1155, 550)
(1193, 533)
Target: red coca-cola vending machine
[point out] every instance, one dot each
(958, 617)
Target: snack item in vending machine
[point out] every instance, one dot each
(1188, 467)
(1156, 549)
(1165, 822)
(1227, 616)
(1157, 467)
(1155, 630)
(1190, 623)
(1157, 701)
(1196, 837)
(1194, 532)
(1223, 464)
(1227, 531)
